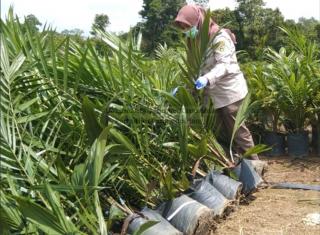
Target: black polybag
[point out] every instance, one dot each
(208, 195)
(184, 213)
(163, 227)
(247, 176)
(228, 187)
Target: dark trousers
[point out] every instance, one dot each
(243, 139)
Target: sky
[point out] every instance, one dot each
(70, 14)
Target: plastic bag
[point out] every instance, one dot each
(163, 227)
(208, 195)
(188, 215)
(228, 187)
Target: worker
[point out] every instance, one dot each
(221, 77)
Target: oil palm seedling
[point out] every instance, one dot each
(264, 92)
(33, 142)
(295, 78)
(293, 95)
(310, 62)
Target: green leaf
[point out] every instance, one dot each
(242, 114)
(92, 125)
(170, 98)
(115, 214)
(144, 227)
(117, 149)
(174, 145)
(26, 105)
(108, 172)
(102, 224)
(124, 141)
(202, 147)
(31, 117)
(138, 179)
(260, 148)
(43, 218)
(186, 99)
(184, 183)
(10, 217)
(96, 156)
(65, 65)
(68, 188)
(78, 175)
(183, 136)
(56, 206)
(167, 183)
(193, 149)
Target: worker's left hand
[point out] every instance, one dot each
(201, 82)
(174, 92)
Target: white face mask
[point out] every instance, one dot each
(192, 33)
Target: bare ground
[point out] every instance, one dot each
(278, 211)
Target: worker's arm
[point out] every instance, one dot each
(222, 53)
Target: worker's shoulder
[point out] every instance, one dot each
(222, 42)
(222, 35)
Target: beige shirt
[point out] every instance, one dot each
(226, 81)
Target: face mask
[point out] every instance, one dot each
(192, 33)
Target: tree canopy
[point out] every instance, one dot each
(255, 26)
(101, 21)
(157, 27)
(33, 22)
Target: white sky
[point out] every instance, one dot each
(70, 14)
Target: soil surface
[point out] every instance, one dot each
(278, 211)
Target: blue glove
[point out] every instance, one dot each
(201, 82)
(174, 92)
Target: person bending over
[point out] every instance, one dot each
(221, 77)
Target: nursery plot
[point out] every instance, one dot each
(88, 137)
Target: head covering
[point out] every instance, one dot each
(193, 15)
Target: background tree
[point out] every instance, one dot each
(257, 27)
(308, 27)
(226, 17)
(73, 32)
(254, 26)
(203, 3)
(317, 29)
(76, 34)
(101, 21)
(157, 27)
(32, 22)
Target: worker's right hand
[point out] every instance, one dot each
(201, 82)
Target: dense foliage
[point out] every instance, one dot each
(287, 85)
(157, 27)
(83, 132)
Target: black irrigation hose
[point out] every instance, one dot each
(287, 185)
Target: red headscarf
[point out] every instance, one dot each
(193, 15)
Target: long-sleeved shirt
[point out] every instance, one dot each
(226, 81)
